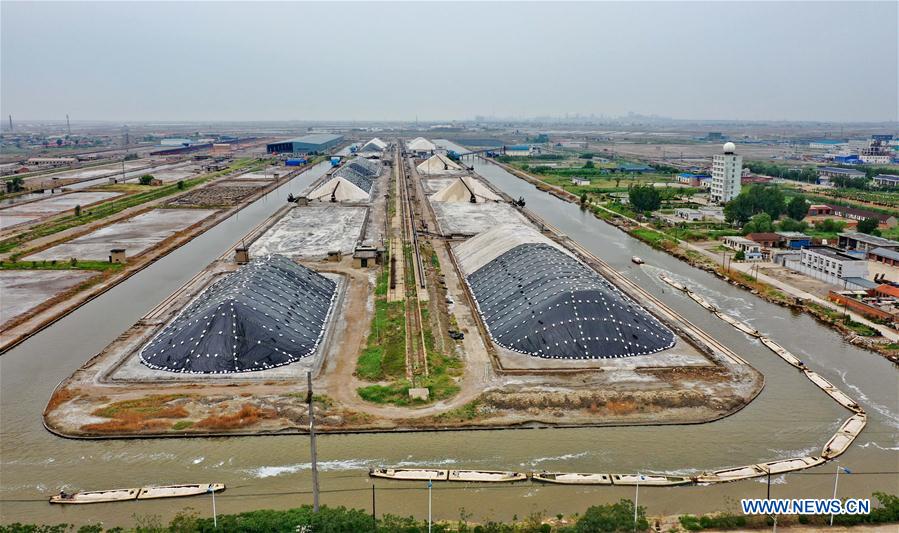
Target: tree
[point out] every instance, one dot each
(760, 223)
(180, 185)
(868, 225)
(58, 142)
(589, 164)
(78, 210)
(583, 199)
(15, 184)
(146, 179)
(797, 208)
(829, 225)
(788, 224)
(740, 255)
(756, 199)
(645, 197)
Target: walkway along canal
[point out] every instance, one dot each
(788, 419)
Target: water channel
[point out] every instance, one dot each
(789, 418)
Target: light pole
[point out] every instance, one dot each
(836, 480)
(429, 505)
(637, 499)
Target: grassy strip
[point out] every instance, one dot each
(64, 265)
(384, 355)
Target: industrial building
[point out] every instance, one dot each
(727, 168)
(271, 312)
(830, 264)
(307, 144)
(886, 180)
(826, 175)
(864, 242)
(537, 299)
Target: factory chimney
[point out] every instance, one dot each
(68, 124)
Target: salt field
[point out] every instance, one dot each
(135, 235)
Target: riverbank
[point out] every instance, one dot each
(826, 313)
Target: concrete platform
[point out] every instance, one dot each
(135, 235)
(682, 354)
(58, 204)
(471, 219)
(311, 232)
(24, 290)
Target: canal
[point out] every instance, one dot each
(789, 418)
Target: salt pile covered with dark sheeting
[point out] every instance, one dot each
(271, 312)
(539, 300)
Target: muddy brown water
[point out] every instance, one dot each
(789, 418)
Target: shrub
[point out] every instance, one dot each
(613, 517)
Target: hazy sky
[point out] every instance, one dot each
(288, 61)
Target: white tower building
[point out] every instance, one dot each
(726, 171)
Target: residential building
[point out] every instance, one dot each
(751, 249)
(580, 181)
(886, 180)
(727, 169)
(710, 212)
(693, 180)
(766, 239)
(856, 214)
(820, 210)
(830, 264)
(865, 243)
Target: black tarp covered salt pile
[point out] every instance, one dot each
(270, 313)
(537, 300)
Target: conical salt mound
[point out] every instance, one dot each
(463, 190)
(269, 313)
(439, 164)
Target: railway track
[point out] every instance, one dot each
(416, 352)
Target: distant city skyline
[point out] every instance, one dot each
(195, 62)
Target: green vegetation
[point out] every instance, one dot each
(15, 184)
(55, 265)
(757, 199)
(146, 179)
(645, 197)
(869, 226)
(384, 355)
(797, 208)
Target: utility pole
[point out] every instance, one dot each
(312, 442)
(374, 519)
(10, 123)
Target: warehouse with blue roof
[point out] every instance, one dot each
(307, 144)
